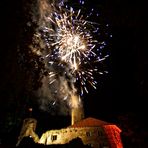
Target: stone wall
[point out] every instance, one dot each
(94, 136)
(28, 130)
(107, 136)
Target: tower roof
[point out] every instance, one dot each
(90, 122)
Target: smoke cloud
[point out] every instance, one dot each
(57, 95)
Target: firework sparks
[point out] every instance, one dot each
(71, 42)
(73, 38)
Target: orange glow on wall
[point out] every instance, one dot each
(113, 134)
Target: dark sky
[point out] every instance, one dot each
(124, 89)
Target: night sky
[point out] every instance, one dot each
(125, 89)
(122, 92)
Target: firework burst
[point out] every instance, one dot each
(72, 41)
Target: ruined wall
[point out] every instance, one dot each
(94, 136)
(107, 136)
(28, 130)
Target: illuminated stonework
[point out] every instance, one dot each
(28, 130)
(88, 135)
(91, 131)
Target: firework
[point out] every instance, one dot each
(71, 43)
